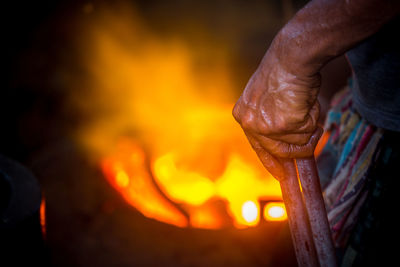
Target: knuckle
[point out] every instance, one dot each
(236, 112)
(282, 126)
(247, 120)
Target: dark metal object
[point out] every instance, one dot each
(21, 240)
(297, 215)
(308, 220)
(21, 195)
(314, 202)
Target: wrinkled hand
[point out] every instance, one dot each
(278, 112)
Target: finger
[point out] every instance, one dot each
(295, 139)
(310, 122)
(306, 127)
(307, 150)
(271, 163)
(281, 149)
(298, 137)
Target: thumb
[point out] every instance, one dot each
(271, 163)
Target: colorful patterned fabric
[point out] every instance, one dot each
(374, 239)
(350, 148)
(347, 167)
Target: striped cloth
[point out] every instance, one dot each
(345, 164)
(359, 172)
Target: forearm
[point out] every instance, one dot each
(325, 29)
(278, 109)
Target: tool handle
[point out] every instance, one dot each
(297, 216)
(314, 202)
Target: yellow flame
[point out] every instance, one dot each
(184, 159)
(122, 179)
(242, 181)
(182, 186)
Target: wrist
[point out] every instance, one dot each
(299, 51)
(287, 57)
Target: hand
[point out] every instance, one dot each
(278, 112)
(278, 109)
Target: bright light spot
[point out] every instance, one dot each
(275, 211)
(122, 179)
(250, 211)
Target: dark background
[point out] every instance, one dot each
(88, 223)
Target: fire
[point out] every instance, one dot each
(182, 197)
(161, 126)
(177, 183)
(122, 179)
(126, 171)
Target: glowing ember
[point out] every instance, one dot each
(275, 211)
(42, 213)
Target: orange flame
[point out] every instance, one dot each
(183, 197)
(183, 159)
(127, 173)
